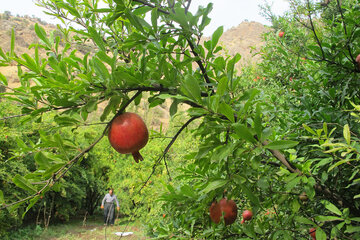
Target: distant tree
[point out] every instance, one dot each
(7, 15)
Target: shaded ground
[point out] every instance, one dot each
(93, 229)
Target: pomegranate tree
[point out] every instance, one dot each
(128, 134)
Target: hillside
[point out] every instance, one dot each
(24, 37)
(242, 39)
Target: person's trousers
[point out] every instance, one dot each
(109, 213)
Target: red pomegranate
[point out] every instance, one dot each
(281, 34)
(228, 207)
(247, 215)
(312, 232)
(128, 134)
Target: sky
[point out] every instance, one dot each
(227, 13)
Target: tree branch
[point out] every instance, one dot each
(152, 6)
(188, 6)
(313, 30)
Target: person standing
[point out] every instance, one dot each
(108, 205)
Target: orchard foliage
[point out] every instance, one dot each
(261, 144)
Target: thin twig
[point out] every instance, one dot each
(313, 30)
(166, 150)
(188, 6)
(14, 116)
(152, 6)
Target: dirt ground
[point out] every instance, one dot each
(93, 230)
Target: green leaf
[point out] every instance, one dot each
(134, 20)
(154, 17)
(214, 185)
(180, 17)
(253, 198)
(174, 107)
(227, 111)
(347, 134)
(307, 128)
(97, 38)
(290, 185)
(331, 207)
(191, 87)
(40, 32)
(337, 164)
(42, 160)
(66, 120)
(281, 144)
(1, 197)
(60, 145)
(112, 105)
(257, 122)
(125, 77)
(243, 132)
(320, 234)
(295, 205)
(22, 144)
(221, 87)
(327, 218)
(222, 152)
(310, 191)
(3, 79)
(32, 202)
(216, 36)
(352, 229)
(325, 128)
(71, 9)
(23, 183)
(188, 191)
(91, 105)
(304, 220)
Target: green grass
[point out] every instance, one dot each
(74, 229)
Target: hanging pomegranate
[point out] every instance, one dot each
(128, 134)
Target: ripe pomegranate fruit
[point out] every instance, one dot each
(228, 207)
(312, 232)
(128, 134)
(247, 215)
(281, 34)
